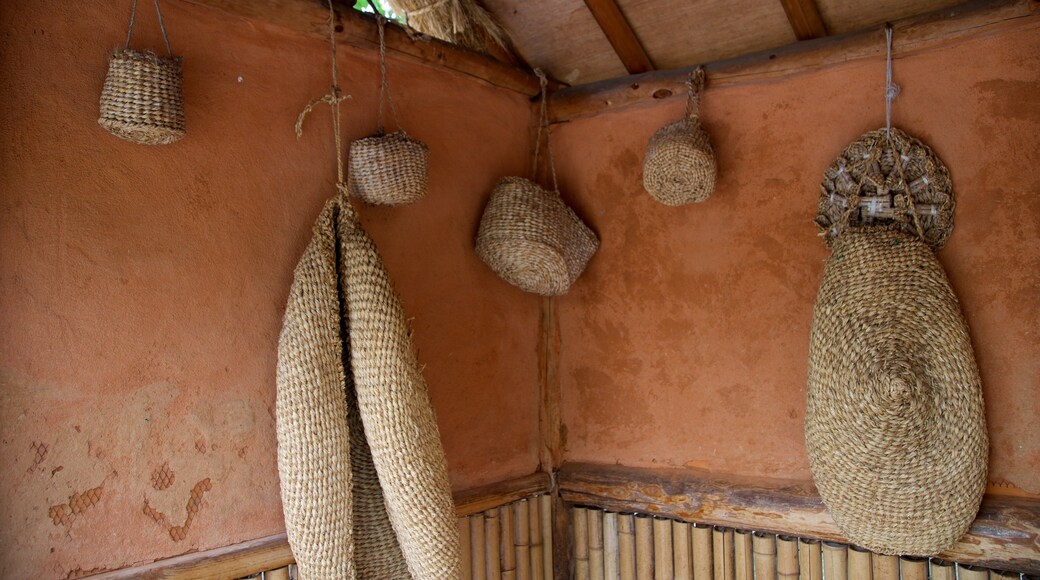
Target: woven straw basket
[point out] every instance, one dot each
(680, 166)
(530, 238)
(142, 98)
(894, 426)
(388, 169)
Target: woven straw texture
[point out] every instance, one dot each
(142, 98)
(680, 167)
(877, 179)
(364, 480)
(894, 423)
(388, 169)
(530, 238)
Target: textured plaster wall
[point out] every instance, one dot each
(685, 343)
(142, 289)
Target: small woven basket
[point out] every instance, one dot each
(142, 98)
(531, 239)
(388, 169)
(680, 166)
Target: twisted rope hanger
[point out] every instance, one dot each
(543, 124)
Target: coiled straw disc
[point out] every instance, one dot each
(142, 98)
(532, 240)
(894, 422)
(388, 169)
(680, 167)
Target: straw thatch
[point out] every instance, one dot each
(462, 22)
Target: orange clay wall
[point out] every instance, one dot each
(142, 288)
(686, 341)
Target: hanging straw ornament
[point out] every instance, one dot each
(142, 97)
(895, 425)
(680, 166)
(528, 235)
(388, 168)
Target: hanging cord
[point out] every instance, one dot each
(543, 124)
(333, 99)
(891, 89)
(384, 87)
(694, 86)
(162, 27)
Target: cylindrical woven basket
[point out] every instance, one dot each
(388, 169)
(142, 98)
(530, 238)
(894, 425)
(680, 166)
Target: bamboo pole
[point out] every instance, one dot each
(644, 548)
(722, 554)
(476, 547)
(595, 544)
(835, 561)
(972, 573)
(492, 544)
(911, 568)
(610, 546)
(663, 561)
(860, 566)
(507, 548)
(810, 560)
(884, 567)
(522, 539)
(999, 575)
(702, 552)
(942, 570)
(626, 547)
(682, 551)
(534, 531)
(743, 561)
(545, 503)
(580, 518)
(763, 547)
(786, 558)
(277, 574)
(464, 545)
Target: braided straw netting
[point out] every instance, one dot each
(388, 169)
(532, 240)
(680, 167)
(142, 98)
(364, 480)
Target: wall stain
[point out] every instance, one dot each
(39, 451)
(178, 533)
(163, 477)
(78, 503)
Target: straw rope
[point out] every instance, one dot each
(680, 167)
(543, 126)
(142, 98)
(364, 481)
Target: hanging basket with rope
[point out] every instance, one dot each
(894, 426)
(680, 166)
(142, 99)
(528, 235)
(388, 168)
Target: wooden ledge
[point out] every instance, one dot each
(1005, 534)
(359, 31)
(273, 552)
(910, 35)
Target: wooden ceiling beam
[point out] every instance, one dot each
(620, 35)
(979, 17)
(805, 19)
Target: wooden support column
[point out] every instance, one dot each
(805, 19)
(620, 35)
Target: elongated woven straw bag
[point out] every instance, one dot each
(894, 424)
(529, 236)
(388, 168)
(680, 166)
(364, 480)
(142, 98)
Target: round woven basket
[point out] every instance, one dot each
(388, 169)
(530, 238)
(680, 166)
(142, 99)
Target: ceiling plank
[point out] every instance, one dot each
(621, 36)
(805, 19)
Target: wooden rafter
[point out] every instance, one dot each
(621, 36)
(805, 19)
